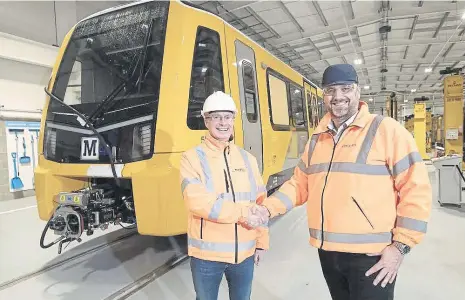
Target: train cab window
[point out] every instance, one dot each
(297, 106)
(310, 107)
(278, 102)
(250, 91)
(320, 108)
(206, 76)
(315, 110)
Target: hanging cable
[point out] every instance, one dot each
(56, 27)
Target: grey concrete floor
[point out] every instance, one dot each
(290, 270)
(20, 231)
(434, 270)
(94, 276)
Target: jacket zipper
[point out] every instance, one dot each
(228, 176)
(362, 212)
(201, 228)
(322, 195)
(226, 181)
(324, 186)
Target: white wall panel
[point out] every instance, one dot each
(22, 86)
(27, 51)
(35, 20)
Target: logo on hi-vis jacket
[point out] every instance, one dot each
(349, 145)
(89, 148)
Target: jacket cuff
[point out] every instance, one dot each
(261, 246)
(269, 204)
(404, 240)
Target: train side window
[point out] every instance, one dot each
(206, 76)
(250, 91)
(278, 101)
(297, 106)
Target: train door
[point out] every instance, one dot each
(309, 98)
(251, 120)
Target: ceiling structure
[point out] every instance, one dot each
(396, 46)
(402, 37)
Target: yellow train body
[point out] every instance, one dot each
(159, 207)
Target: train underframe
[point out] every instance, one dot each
(96, 206)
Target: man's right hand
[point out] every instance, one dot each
(258, 215)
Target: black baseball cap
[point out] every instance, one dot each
(339, 74)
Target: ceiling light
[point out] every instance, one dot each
(366, 87)
(413, 90)
(463, 16)
(428, 70)
(371, 99)
(358, 61)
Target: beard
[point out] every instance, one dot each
(342, 109)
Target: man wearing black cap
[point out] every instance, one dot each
(343, 105)
(367, 192)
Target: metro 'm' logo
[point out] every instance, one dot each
(89, 148)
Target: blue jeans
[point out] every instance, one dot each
(207, 276)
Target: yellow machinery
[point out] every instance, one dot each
(434, 129)
(419, 127)
(440, 130)
(437, 129)
(391, 106)
(453, 114)
(409, 123)
(124, 101)
(428, 132)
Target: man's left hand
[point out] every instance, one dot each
(388, 265)
(259, 253)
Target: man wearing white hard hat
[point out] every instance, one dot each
(222, 186)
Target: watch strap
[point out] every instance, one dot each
(403, 248)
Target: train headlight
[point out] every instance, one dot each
(50, 143)
(142, 139)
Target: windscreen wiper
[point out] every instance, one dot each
(142, 57)
(85, 122)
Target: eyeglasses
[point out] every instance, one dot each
(218, 117)
(345, 89)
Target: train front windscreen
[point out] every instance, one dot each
(111, 73)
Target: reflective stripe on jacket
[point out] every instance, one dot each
(362, 193)
(219, 182)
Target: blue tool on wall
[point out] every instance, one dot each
(16, 182)
(24, 159)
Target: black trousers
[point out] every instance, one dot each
(345, 276)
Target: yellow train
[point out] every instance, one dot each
(124, 102)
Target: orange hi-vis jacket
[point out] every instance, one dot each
(369, 189)
(219, 182)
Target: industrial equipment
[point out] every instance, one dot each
(451, 179)
(453, 114)
(419, 126)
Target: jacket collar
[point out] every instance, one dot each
(214, 144)
(361, 120)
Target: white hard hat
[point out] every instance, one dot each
(219, 101)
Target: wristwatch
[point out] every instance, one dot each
(403, 249)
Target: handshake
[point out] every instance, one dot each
(258, 215)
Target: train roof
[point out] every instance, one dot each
(194, 6)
